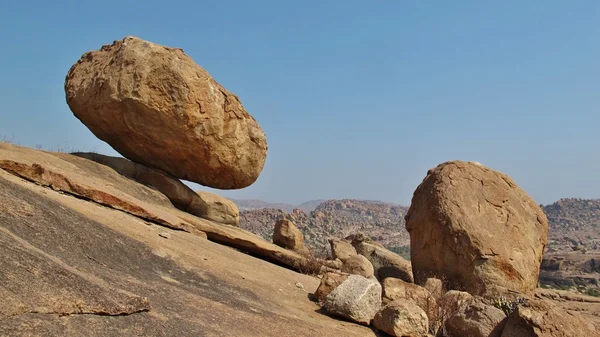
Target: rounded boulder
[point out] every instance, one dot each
(477, 229)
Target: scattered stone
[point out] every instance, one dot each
(385, 263)
(358, 265)
(477, 228)
(402, 318)
(329, 281)
(357, 238)
(286, 235)
(357, 299)
(476, 319)
(453, 299)
(435, 287)
(397, 289)
(540, 318)
(341, 249)
(334, 264)
(164, 235)
(154, 105)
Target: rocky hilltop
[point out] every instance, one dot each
(252, 204)
(383, 222)
(574, 224)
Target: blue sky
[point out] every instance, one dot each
(358, 99)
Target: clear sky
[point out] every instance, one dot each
(358, 99)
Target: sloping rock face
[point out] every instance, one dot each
(476, 319)
(81, 265)
(102, 185)
(475, 227)
(203, 204)
(154, 105)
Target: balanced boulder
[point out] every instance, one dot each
(477, 229)
(154, 105)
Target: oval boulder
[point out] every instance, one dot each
(155, 106)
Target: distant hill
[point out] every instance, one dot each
(574, 223)
(252, 204)
(382, 221)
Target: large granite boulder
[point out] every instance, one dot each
(477, 229)
(154, 105)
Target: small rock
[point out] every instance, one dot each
(299, 285)
(435, 287)
(329, 281)
(164, 235)
(402, 318)
(476, 319)
(358, 265)
(452, 301)
(287, 235)
(385, 263)
(357, 299)
(341, 249)
(396, 289)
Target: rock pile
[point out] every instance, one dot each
(155, 106)
(476, 246)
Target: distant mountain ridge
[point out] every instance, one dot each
(252, 204)
(382, 221)
(573, 222)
